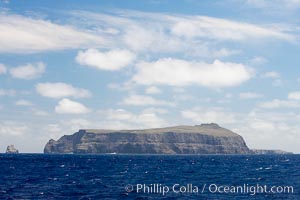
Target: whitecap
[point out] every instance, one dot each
(268, 168)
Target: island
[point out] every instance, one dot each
(11, 149)
(198, 139)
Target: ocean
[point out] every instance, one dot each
(71, 176)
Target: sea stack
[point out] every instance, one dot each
(11, 149)
(198, 139)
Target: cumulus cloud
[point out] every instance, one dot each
(152, 90)
(3, 69)
(28, 71)
(143, 100)
(177, 72)
(59, 90)
(111, 60)
(67, 106)
(249, 95)
(21, 34)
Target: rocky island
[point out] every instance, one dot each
(11, 149)
(198, 139)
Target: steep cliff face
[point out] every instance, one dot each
(199, 139)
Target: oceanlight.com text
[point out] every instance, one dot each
(163, 189)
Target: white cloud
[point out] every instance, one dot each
(121, 86)
(2, 69)
(177, 72)
(124, 115)
(23, 102)
(271, 74)
(78, 123)
(59, 90)
(262, 125)
(9, 92)
(212, 115)
(151, 37)
(223, 52)
(276, 103)
(151, 120)
(275, 76)
(249, 95)
(153, 90)
(123, 119)
(67, 106)
(28, 71)
(197, 36)
(110, 60)
(143, 100)
(21, 34)
(12, 128)
(54, 130)
(294, 95)
(119, 114)
(67, 126)
(184, 97)
(269, 130)
(258, 60)
(222, 29)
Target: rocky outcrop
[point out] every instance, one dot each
(199, 139)
(11, 149)
(265, 151)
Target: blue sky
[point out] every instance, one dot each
(144, 64)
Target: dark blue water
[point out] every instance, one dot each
(38, 176)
